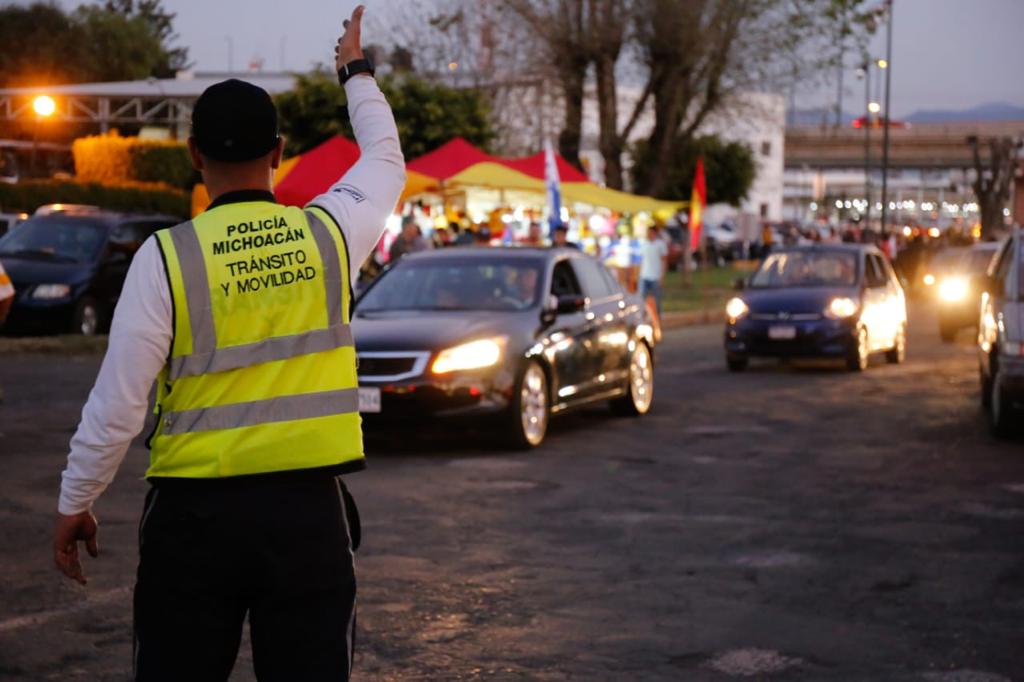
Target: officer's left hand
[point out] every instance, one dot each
(69, 531)
(349, 46)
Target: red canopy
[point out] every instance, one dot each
(315, 171)
(449, 159)
(534, 167)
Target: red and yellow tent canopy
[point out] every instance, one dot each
(455, 166)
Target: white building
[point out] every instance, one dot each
(755, 119)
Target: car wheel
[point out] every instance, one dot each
(859, 356)
(736, 363)
(947, 331)
(898, 353)
(86, 318)
(530, 412)
(1001, 410)
(640, 392)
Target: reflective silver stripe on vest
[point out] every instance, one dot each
(206, 358)
(267, 350)
(197, 288)
(332, 268)
(283, 409)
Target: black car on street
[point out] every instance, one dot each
(507, 336)
(1001, 337)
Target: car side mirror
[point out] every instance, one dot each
(567, 305)
(739, 284)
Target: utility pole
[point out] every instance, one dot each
(886, 120)
(867, 142)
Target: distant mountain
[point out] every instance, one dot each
(992, 111)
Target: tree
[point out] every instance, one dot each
(120, 41)
(428, 114)
(161, 25)
(992, 181)
(730, 168)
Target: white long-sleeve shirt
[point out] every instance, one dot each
(141, 331)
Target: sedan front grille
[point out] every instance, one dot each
(786, 317)
(391, 366)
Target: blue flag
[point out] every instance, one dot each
(552, 181)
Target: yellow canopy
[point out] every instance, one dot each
(621, 202)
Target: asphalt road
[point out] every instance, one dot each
(790, 523)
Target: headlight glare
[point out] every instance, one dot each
(49, 292)
(953, 289)
(736, 308)
(473, 355)
(842, 308)
(929, 279)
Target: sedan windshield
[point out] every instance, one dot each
(806, 269)
(457, 284)
(55, 239)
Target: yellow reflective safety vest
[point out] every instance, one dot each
(262, 371)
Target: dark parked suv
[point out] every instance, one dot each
(1001, 336)
(68, 267)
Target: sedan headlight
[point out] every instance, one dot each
(736, 308)
(49, 292)
(472, 355)
(953, 289)
(841, 308)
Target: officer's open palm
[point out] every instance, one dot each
(68, 532)
(349, 47)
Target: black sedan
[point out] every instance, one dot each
(841, 301)
(512, 335)
(68, 267)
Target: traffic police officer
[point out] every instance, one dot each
(242, 316)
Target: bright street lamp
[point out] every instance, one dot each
(874, 107)
(882, 64)
(44, 106)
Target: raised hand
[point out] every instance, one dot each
(349, 47)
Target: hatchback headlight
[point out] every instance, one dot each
(953, 289)
(736, 308)
(49, 292)
(841, 308)
(473, 355)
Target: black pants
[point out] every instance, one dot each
(276, 547)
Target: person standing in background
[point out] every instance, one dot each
(653, 266)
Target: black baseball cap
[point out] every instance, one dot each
(235, 121)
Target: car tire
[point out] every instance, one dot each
(859, 356)
(85, 319)
(898, 353)
(640, 389)
(530, 412)
(736, 363)
(1001, 412)
(947, 331)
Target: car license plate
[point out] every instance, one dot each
(369, 399)
(782, 333)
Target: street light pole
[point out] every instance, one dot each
(886, 120)
(867, 142)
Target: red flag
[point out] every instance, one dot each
(698, 200)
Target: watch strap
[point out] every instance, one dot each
(354, 68)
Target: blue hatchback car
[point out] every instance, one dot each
(68, 267)
(842, 301)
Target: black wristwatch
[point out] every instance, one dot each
(353, 68)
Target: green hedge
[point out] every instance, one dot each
(31, 194)
(163, 163)
(113, 160)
